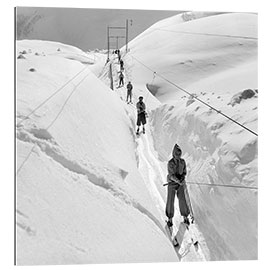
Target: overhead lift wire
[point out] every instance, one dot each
(52, 123)
(193, 96)
(215, 185)
(51, 96)
(220, 185)
(206, 34)
(199, 183)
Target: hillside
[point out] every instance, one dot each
(80, 195)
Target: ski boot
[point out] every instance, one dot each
(186, 221)
(169, 223)
(191, 218)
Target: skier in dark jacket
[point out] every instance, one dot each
(129, 92)
(141, 119)
(121, 79)
(119, 56)
(121, 64)
(176, 185)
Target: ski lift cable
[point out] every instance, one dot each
(66, 101)
(198, 99)
(51, 96)
(23, 163)
(221, 185)
(216, 185)
(52, 123)
(198, 183)
(207, 34)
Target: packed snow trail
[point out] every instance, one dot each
(152, 174)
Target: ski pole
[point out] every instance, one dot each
(166, 184)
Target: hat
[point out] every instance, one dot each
(176, 148)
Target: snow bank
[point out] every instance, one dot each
(214, 58)
(221, 212)
(80, 198)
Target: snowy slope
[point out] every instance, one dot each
(214, 58)
(80, 197)
(89, 191)
(201, 54)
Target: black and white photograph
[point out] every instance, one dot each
(136, 135)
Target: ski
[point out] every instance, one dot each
(171, 236)
(190, 226)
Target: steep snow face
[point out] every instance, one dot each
(80, 197)
(214, 58)
(216, 152)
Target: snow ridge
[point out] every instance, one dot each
(46, 144)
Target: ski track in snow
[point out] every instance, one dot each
(151, 170)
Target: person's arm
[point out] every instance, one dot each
(138, 107)
(183, 175)
(185, 169)
(143, 107)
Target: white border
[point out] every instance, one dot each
(7, 119)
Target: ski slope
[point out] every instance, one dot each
(90, 191)
(212, 59)
(80, 196)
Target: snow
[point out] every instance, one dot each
(213, 69)
(90, 191)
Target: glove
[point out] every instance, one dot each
(175, 180)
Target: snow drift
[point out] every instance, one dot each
(80, 196)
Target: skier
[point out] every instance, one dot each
(119, 56)
(141, 119)
(121, 64)
(176, 184)
(121, 79)
(129, 92)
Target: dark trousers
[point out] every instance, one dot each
(121, 81)
(180, 192)
(129, 95)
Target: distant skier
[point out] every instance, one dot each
(141, 118)
(121, 64)
(121, 79)
(119, 56)
(176, 185)
(129, 92)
